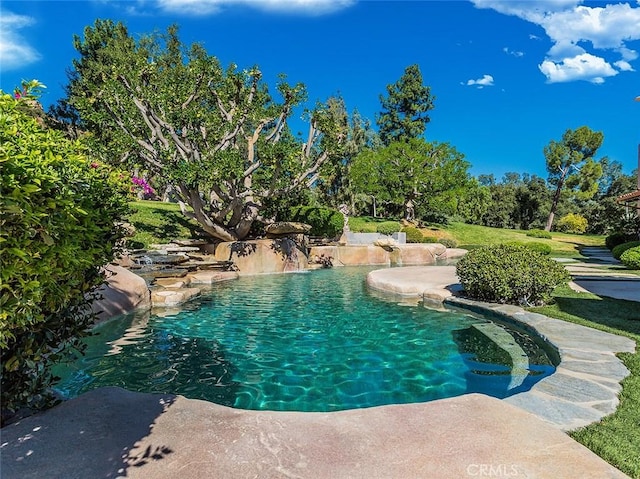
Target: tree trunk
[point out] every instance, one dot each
(554, 206)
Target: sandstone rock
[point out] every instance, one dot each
(210, 277)
(386, 243)
(122, 293)
(172, 297)
(263, 256)
(287, 227)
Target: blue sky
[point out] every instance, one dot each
(508, 76)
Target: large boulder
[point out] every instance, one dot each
(122, 293)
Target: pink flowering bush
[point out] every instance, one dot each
(141, 185)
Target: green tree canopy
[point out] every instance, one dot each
(218, 136)
(406, 108)
(430, 175)
(571, 165)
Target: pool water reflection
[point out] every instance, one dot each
(316, 341)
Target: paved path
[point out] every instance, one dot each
(589, 275)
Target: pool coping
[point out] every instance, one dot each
(585, 386)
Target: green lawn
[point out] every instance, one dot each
(157, 222)
(616, 438)
(473, 236)
(562, 244)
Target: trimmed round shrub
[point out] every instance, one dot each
(621, 248)
(325, 222)
(542, 248)
(539, 234)
(510, 273)
(572, 223)
(430, 239)
(448, 242)
(388, 227)
(414, 235)
(617, 238)
(631, 258)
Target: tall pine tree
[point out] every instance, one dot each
(406, 108)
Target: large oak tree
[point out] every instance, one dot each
(217, 136)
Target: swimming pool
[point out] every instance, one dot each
(315, 341)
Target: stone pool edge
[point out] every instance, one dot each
(585, 386)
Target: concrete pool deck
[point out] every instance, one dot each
(110, 432)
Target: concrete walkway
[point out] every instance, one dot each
(596, 275)
(111, 433)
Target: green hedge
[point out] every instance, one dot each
(631, 258)
(388, 227)
(621, 248)
(58, 214)
(324, 222)
(448, 242)
(413, 234)
(617, 238)
(510, 273)
(542, 248)
(539, 234)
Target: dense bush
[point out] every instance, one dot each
(448, 242)
(617, 238)
(539, 234)
(509, 274)
(324, 222)
(631, 258)
(57, 229)
(572, 223)
(413, 234)
(621, 248)
(388, 227)
(542, 248)
(537, 246)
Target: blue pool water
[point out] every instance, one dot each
(316, 341)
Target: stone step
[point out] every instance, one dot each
(519, 359)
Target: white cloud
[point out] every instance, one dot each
(14, 50)
(512, 52)
(209, 7)
(581, 67)
(486, 80)
(576, 31)
(624, 66)
(628, 54)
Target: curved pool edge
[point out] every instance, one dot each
(585, 386)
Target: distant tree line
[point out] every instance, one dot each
(219, 140)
